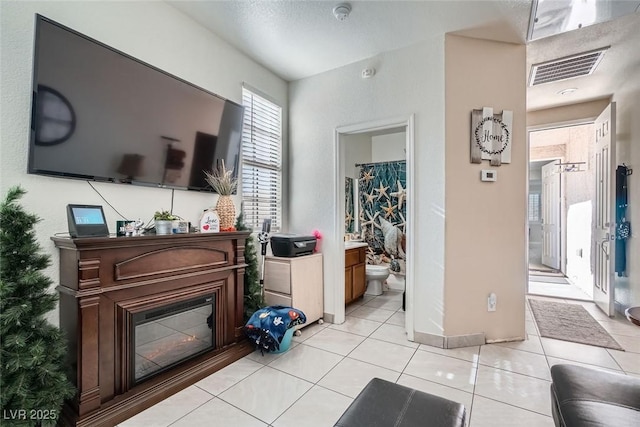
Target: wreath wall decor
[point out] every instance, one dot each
(491, 136)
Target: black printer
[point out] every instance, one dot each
(292, 245)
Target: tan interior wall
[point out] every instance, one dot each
(547, 152)
(485, 229)
(574, 113)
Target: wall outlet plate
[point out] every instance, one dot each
(492, 301)
(489, 175)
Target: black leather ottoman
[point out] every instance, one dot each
(385, 404)
(584, 397)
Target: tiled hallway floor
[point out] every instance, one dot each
(314, 382)
(556, 286)
(554, 290)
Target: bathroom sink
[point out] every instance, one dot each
(349, 244)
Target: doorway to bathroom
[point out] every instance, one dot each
(374, 161)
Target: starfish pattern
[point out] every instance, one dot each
(370, 197)
(382, 190)
(374, 221)
(401, 194)
(364, 223)
(367, 176)
(388, 210)
(348, 218)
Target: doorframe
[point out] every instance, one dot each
(563, 216)
(339, 202)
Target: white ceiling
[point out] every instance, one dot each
(299, 38)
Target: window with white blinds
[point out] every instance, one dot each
(261, 161)
(534, 207)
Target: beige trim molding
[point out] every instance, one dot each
(455, 341)
(329, 318)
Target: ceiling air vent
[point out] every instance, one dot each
(569, 67)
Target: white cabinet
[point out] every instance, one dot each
(295, 282)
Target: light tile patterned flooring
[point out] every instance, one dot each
(319, 376)
(555, 286)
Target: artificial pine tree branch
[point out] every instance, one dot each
(253, 299)
(32, 351)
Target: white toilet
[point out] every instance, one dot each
(376, 274)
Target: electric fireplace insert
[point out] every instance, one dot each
(166, 336)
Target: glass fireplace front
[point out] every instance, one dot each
(166, 336)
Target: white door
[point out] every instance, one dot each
(551, 215)
(603, 245)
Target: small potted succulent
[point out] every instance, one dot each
(164, 221)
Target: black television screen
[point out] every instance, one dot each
(99, 114)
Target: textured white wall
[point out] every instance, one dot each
(408, 81)
(357, 149)
(627, 287)
(387, 148)
(153, 32)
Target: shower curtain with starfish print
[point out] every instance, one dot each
(382, 190)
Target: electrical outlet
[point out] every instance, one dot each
(492, 301)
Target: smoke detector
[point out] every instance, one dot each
(368, 72)
(568, 91)
(342, 11)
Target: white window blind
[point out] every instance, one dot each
(534, 207)
(261, 161)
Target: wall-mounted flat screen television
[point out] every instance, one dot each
(99, 114)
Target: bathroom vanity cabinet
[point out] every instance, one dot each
(355, 281)
(295, 282)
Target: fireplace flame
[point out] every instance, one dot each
(173, 347)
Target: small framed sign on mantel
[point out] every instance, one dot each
(491, 136)
(210, 221)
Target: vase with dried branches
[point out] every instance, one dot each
(224, 183)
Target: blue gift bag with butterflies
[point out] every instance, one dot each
(268, 326)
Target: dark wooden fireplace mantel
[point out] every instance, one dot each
(103, 280)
